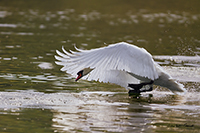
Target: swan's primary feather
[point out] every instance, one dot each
(122, 58)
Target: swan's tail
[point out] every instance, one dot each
(166, 81)
(174, 86)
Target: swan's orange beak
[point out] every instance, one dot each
(79, 76)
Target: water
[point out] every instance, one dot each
(37, 97)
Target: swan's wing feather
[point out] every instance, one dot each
(121, 56)
(118, 77)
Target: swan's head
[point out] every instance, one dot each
(83, 72)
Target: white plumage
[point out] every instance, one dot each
(119, 63)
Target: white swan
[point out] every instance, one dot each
(123, 64)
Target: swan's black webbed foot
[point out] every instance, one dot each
(138, 88)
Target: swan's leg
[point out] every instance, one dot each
(137, 87)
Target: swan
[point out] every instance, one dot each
(122, 63)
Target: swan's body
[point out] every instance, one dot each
(119, 63)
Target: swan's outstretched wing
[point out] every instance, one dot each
(122, 58)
